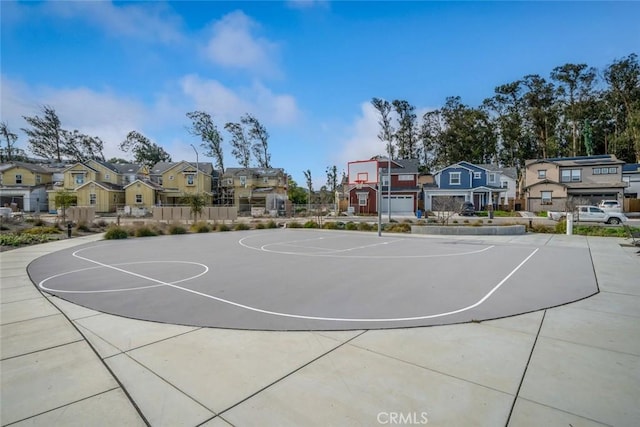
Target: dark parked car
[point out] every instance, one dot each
(467, 209)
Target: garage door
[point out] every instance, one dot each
(399, 204)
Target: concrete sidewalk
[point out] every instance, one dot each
(577, 364)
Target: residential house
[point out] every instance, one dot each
(23, 185)
(551, 184)
(631, 176)
(483, 185)
(367, 177)
(254, 190)
(99, 184)
(176, 179)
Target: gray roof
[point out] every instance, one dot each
(254, 171)
(506, 171)
(28, 166)
(161, 167)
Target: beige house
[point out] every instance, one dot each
(23, 186)
(254, 190)
(143, 194)
(553, 184)
(179, 178)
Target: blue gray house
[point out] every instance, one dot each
(465, 182)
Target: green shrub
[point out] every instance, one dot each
(241, 226)
(455, 221)
(560, 228)
(116, 232)
(330, 225)
(365, 226)
(13, 239)
(399, 228)
(177, 229)
(41, 230)
(260, 226)
(294, 224)
(223, 227)
(351, 226)
(310, 224)
(144, 231)
(200, 227)
(272, 224)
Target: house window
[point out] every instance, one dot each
(504, 184)
(265, 180)
(190, 179)
(454, 178)
(546, 197)
(170, 177)
(477, 175)
(362, 199)
(138, 198)
(492, 177)
(38, 179)
(18, 179)
(78, 178)
(107, 176)
(92, 198)
(385, 180)
(229, 181)
(597, 171)
(542, 174)
(405, 177)
(571, 175)
(613, 170)
(243, 181)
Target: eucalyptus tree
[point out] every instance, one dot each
(259, 138)
(574, 92)
(10, 138)
(241, 146)
(386, 134)
(332, 178)
(202, 125)
(431, 130)
(541, 114)
(307, 175)
(80, 147)
(406, 136)
(144, 150)
(623, 94)
(45, 136)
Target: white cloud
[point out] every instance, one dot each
(362, 141)
(103, 114)
(307, 4)
(148, 21)
(234, 45)
(227, 104)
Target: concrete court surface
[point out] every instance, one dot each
(577, 364)
(314, 280)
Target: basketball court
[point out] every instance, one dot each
(297, 279)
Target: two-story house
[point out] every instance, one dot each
(23, 186)
(175, 179)
(631, 176)
(367, 177)
(483, 185)
(550, 184)
(254, 190)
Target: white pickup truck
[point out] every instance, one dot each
(588, 213)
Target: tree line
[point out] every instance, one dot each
(577, 110)
(47, 139)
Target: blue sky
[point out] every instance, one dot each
(306, 69)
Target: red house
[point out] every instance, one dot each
(367, 177)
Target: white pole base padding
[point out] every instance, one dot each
(569, 224)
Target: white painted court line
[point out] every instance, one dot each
(113, 267)
(339, 253)
(298, 316)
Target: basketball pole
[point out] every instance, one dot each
(379, 202)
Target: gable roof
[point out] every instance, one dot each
(603, 159)
(28, 166)
(253, 172)
(149, 184)
(161, 167)
(106, 185)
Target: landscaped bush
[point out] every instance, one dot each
(330, 225)
(272, 224)
(116, 232)
(351, 226)
(201, 227)
(41, 230)
(13, 239)
(83, 226)
(101, 223)
(399, 228)
(223, 227)
(241, 226)
(310, 224)
(365, 226)
(294, 224)
(177, 229)
(260, 226)
(144, 231)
